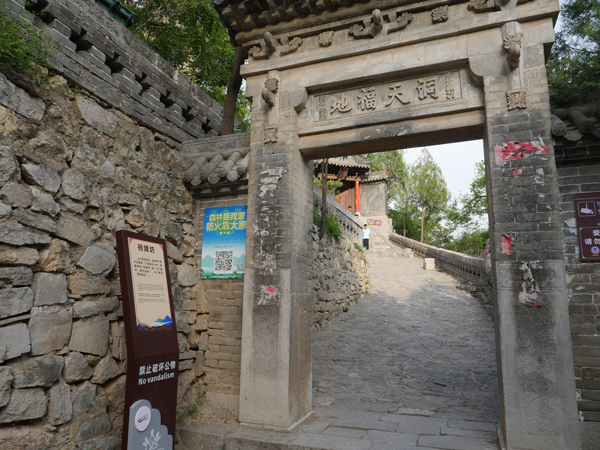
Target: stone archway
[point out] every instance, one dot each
(333, 77)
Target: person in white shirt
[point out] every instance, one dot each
(366, 233)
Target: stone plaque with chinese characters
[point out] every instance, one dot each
(587, 215)
(401, 94)
(151, 338)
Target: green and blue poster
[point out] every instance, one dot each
(224, 242)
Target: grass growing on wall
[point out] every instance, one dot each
(332, 225)
(22, 46)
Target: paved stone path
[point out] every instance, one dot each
(410, 367)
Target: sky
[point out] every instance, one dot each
(457, 162)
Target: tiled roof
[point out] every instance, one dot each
(372, 177)
(349, 161)
(576, 132)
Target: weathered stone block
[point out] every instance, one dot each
(186, 275)
(14, 233)
(42, 371)
(429, 263)
(16, 276)
(20, 101)
(96, 427)
(56, 257)
(25, 404)
(91, 308)
(174, 253)
(60, 409)
(18, 255)
(84, 399)
(90, 336)
(45, 203)
(83, 284)
(5, 211)
(107, 369)
(42, 176)
(9, 166)
(15, 338)
(15, 195)
(15, 301)
(76, 368)
(74, 230)
(49, 288)
(97, 117)
(103, 443)
(135, 218)
(73, 184)
(174, 233)
(49, 328)
(6, 379)
(34, 220)
(98, 259)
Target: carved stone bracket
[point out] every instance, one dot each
(480, 6)
(439, 14)
(516, 99)
(271, 86)
(265, 49)
(326, 38)
(290, 46)
(270, 135)
(513, 43)
(371, 26)
(398, 23)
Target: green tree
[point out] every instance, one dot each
(465, 217)
(574, 65)
(428, 189)
(190, 36)
(392, 162)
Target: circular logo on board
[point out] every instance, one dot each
(595, 251)
(142, 418)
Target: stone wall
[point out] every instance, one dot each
(72, 173)
(221, 338)
(468, 268)
(93, 51)
(583, 282)
(339, 277)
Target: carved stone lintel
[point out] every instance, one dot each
(270, 135)
(513, 43)
(516, 99)
(480, 6)
(290, 46)
(439, 14)
(326, 38)
(398, 23)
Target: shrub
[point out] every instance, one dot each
(332, 225)
(22, 47)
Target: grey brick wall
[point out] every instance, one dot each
(93, 51)
(222, 300)
(583, 282)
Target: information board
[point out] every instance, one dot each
(374, 222)
(151, 337)
(224, 242)
(587, 215)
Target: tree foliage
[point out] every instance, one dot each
(428, 189)
(574, 66)
(392, 162)
(464, 217)
(190, 36)
(22, 46)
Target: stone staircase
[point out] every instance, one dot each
(380, 246)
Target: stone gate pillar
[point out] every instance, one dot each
(276, 369)
(535, 363)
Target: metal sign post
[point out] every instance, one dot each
(152, 348)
